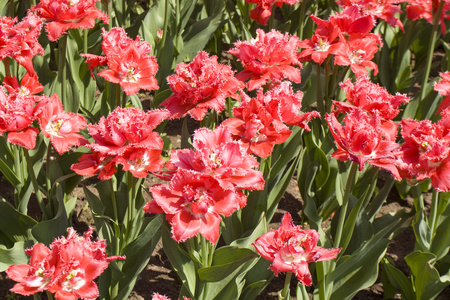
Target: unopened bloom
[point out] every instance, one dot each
(199, 85)
(60, 127)
(291, 248)
(269, 57)
(157, 296)
(65, 14)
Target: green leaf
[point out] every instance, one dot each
(179, 259)
(47, 231)
(359, 270)
(427, 281)
(14, 226)
(225, 261)
(13, 256)
(199, 34)
(398, 279)
(440, 244)
(138, 254)
(422, 230)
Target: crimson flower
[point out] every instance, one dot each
(126, 137)
(371, 97)
(285, 106)
(269, 57)
(216, 154)
(193, 204)
(353, 21)
(426, 150)
(291, 248)
(17, 114)
(65, 14)
(443, 88)
(29, 86)
(362, 139)
(323, 43)
(60, 127)
(20, 41)
(130, 63)
(200, 85)
(256, 128)
(380, 9)
(418, 9)
(261, 13)
(358, 52)
(68, 268)
(37, 275)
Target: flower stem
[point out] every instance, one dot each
(246, 14)
(434, 33)
(433, 213)
(418, 198)
(116, 216)
(118, 94)
(287, 282)
(343, 212)
(62, 76)
(301, 19)
(49, 296)
(320, 106)
(35, 185)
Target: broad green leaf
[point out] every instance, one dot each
(199, 34)
(440, 243)
(422, 230)
(179, 259)
(427, 281)
(13, 225)
(398, 279)
(13, 256)
(46, 231)
(138, 254)
(359, 270)
(225, 261)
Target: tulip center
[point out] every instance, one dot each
(321, 45)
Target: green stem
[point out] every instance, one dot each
(323, 283)
(116, 216)
(131, 183)
(320, 105)
(433, 213)
(301, 19)
(343, 212)
(11, 8)
(47, 175)
(62, 76)
(287, 282)
(166, 17)
(109, 12)
(418, 198)
(246, 14)
(431, 45)
(271, 19)
(35, 185)
(18, 170)
(49, 296)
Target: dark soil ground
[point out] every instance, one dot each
(158, 275)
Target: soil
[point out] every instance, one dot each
(159, 277)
